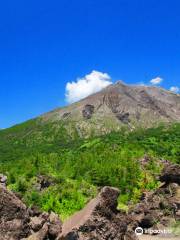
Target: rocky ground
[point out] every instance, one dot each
(19, 222)
(100, 219)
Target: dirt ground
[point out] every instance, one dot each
(79, 218)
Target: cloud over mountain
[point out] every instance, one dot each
(174, 89)
(89, 84)
(156, 81)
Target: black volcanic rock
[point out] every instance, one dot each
(88, 111)
(99, 220)
(160, 208)
(123, 117)
(17, 222)
(171, 174)
(13, 217)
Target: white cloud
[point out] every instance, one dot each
(174, 89)
(89, 84)
(156, 80)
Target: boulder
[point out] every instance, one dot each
(44, 182)
(17, 222)
(3, 180)
(36, 223)
(55, 225)
(13, 216)
(171, 174)
(161, 206)
(42, 234)
(99, 220)
(147, 221)
(34, 211)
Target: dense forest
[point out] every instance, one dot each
(76, 168)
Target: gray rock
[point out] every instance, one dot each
(88, 111)
(55, 225)
(3, 180)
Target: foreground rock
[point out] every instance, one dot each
(99, 220)
(161, 208)
(18, 222)
(13, 216)
(171, 174)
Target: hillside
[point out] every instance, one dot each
(63, 175)
(118, 106)
(59, 160)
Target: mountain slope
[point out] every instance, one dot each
(48, 162)
(116, 106)
(33, 158)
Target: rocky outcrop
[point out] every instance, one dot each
(171, 174)
(66, 115)
(18, 222)
(88, 111)
(160, 208)
(99, 220)
(123, 117)
(13, 217)
(3, 180)
(45, 226)
(44, 182)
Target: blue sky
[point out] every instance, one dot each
(45, 44)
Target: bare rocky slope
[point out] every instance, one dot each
(119, 105)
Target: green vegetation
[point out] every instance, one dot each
(78, 167)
